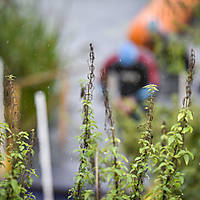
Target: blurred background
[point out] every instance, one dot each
(45, 44)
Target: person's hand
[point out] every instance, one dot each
(127, 104)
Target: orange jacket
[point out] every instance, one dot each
(171, 14)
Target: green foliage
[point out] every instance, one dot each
(87, 140)
(18, 179)
(115, 169)
(128, 133)
(170, 155)
(163, 155)
(130, 137)
(141, 164)
(171, 49)
(88, 146)
(191, 184)
(26, 49)
(171, 55)
(152, 88)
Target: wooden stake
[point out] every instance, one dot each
(62, 112)
(44, 155)
(1, 91)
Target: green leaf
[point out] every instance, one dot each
(15, 186)
(162, 164)
(124, 158)
(119, 172)
(117, 140)
(137, 158)
(191, 155)
(181, 178)
(189, 114)
(177, 185)
(109, 176)
(181, 116)
(166, 189)
(171, 140)
(186, 158)
(141, 170)
(178, 135)
(187, 129)
(149, 194)
(87, 194)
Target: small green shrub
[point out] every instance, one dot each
(18, 179)
(87, 140)
(16, 151)
(125, 179)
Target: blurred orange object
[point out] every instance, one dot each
(6, 168)
(170, 16)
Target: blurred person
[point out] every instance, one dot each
(134, 67)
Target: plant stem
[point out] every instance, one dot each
(97, 174)
(109, 118)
